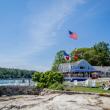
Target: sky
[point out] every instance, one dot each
(33, 31)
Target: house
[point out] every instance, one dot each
(104, 71)
(80, 70)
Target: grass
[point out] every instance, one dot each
(69, 86)
(88, 89)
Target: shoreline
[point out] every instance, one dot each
(32, 90)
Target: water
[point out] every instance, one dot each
(15, 82)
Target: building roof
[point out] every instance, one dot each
(102, 68)
(79, 66)
(82, 62)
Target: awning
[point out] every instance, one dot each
(84, 70)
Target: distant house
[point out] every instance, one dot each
(80, 69)
(104, 71)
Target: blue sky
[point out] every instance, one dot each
(32, 31)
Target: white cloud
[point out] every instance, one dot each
(44, 25)
(42, 29)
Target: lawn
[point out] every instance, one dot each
(88, 89)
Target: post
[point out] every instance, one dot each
(70, 70)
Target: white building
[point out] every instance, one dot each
(104, 71)
(79, 66)
(82, 69)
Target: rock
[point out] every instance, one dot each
(56, 101)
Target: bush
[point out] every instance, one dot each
(36, 76)
(57, 86)
(48, 79)
(40, 85)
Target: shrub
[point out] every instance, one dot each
(47, 79)
(36, 76)
(40, 85)
(57, 86)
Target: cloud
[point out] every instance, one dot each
(44, 25)
(41, 30)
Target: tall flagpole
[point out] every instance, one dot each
(70, 69)
(68, 58)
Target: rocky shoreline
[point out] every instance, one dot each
(55, 101)
(19, 90)
(31, 98)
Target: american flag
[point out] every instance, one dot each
(73, 35)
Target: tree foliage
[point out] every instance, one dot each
(80, 52)
(102, 53)
(7, 73)
(36, 76)
(97, 55)
(46, 79)
(59, 58)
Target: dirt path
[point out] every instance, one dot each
(55, 102)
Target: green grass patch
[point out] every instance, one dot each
(88, 89)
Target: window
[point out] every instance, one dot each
(82, 67)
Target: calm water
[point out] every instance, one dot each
(21, 82)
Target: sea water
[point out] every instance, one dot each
(19, 82)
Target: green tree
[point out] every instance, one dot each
(102, 53)
(6, 73)
(59, 58)
(98, 55)
(80, 52)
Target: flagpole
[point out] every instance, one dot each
(68, 58)
(70, 69)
